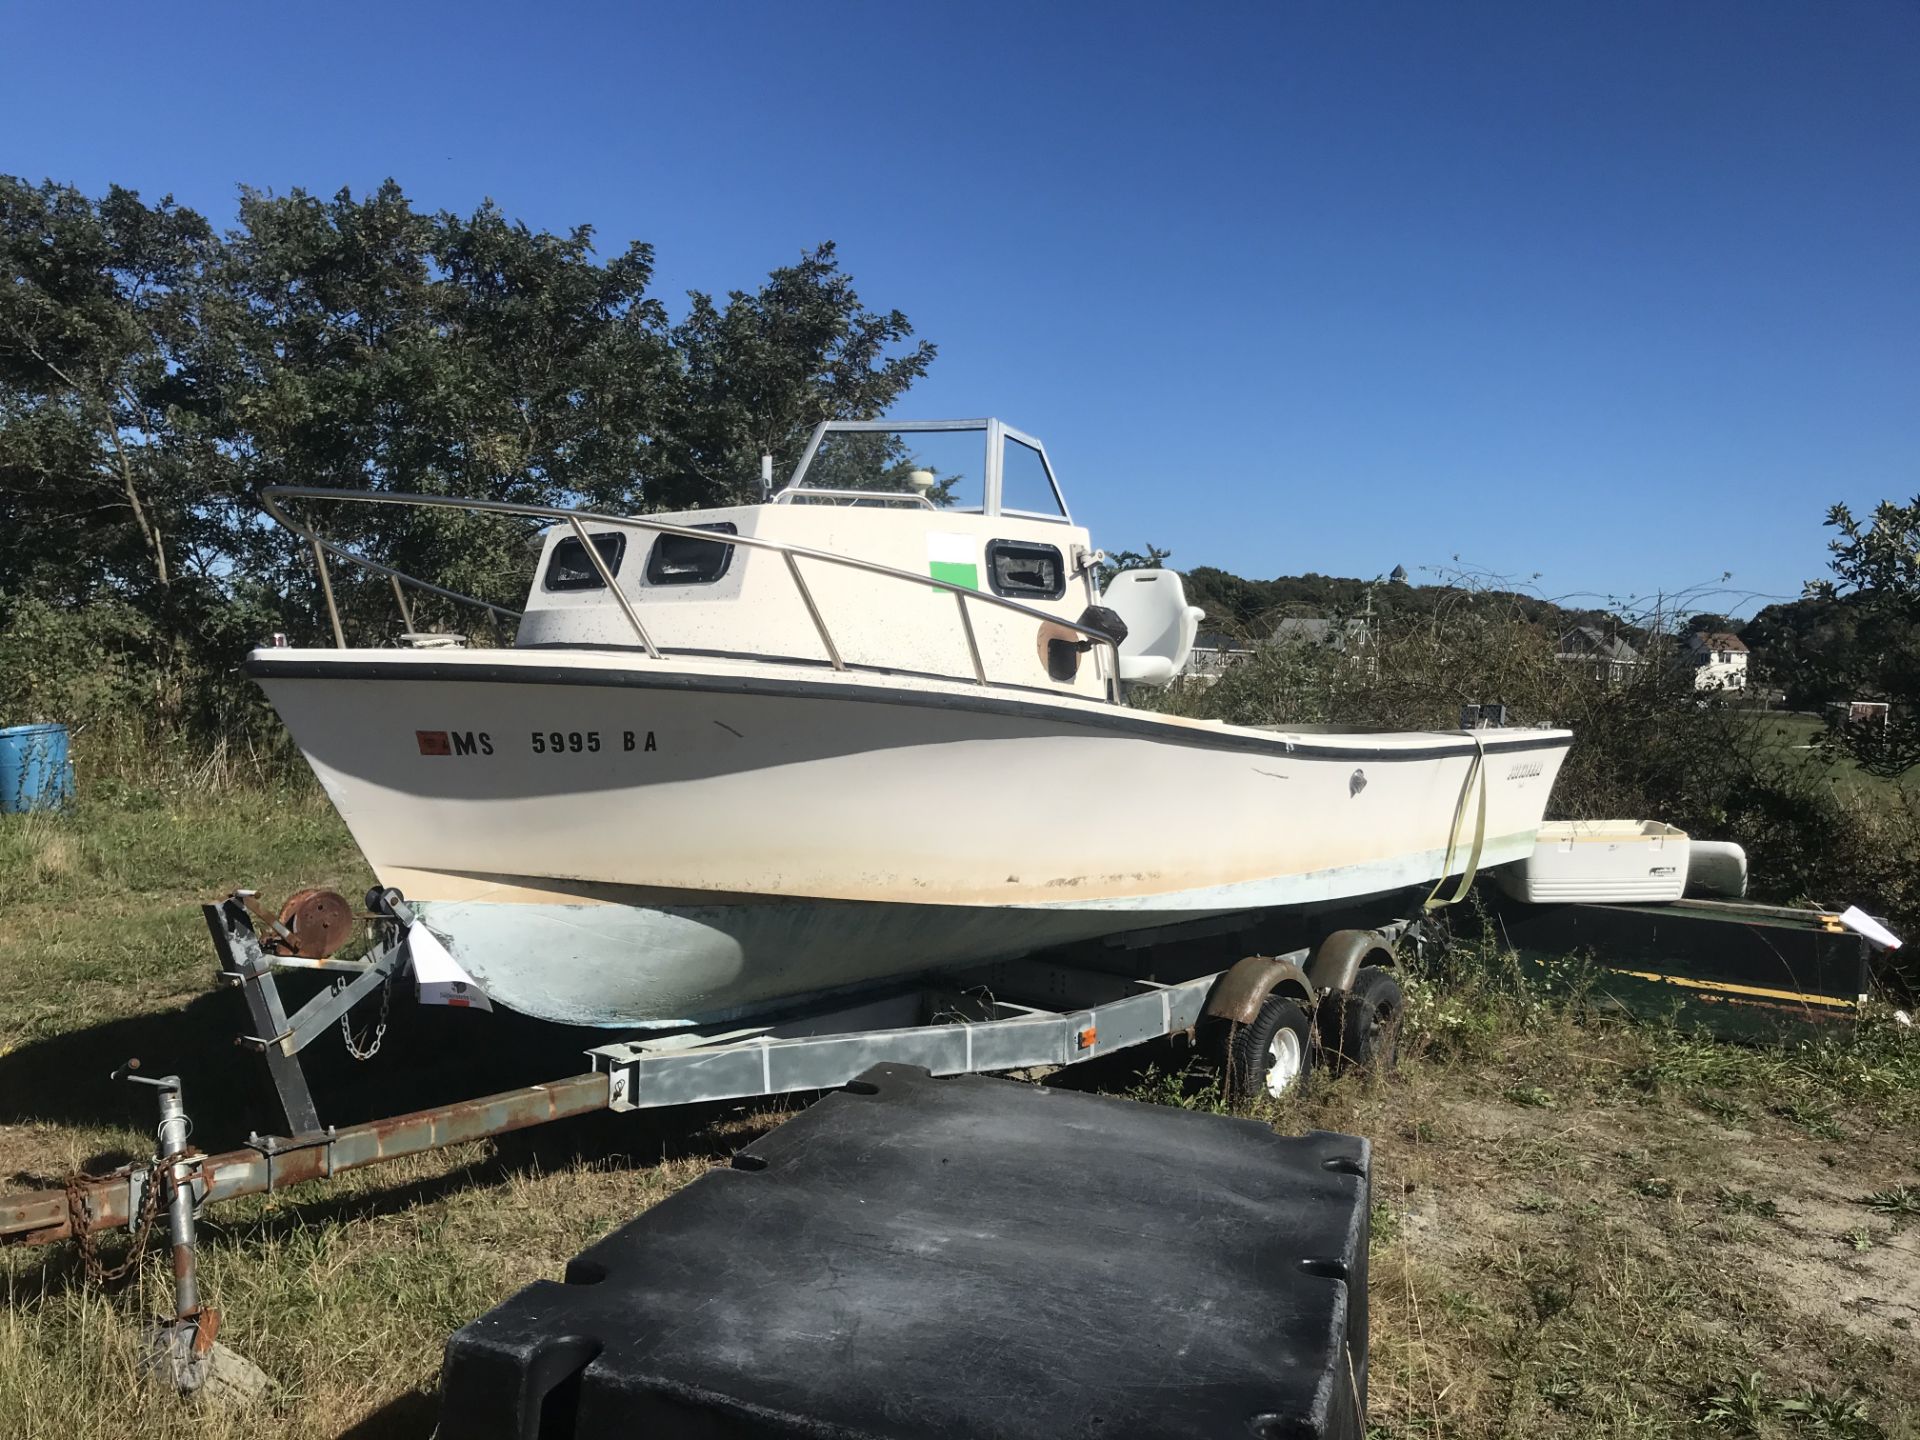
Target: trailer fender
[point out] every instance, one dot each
(1339, 958)
(1237, 995)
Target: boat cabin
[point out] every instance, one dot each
(942, 548)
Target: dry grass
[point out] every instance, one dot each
(1587, 1228)
(1581, 1228)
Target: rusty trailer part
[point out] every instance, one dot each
(1245, 987)
(113, 1202)
(313, 924)
(959, 1029)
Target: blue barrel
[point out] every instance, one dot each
(35, 773)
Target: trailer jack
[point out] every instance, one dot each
(183, 1352)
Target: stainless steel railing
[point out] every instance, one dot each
(1107, 669)
(809, 495)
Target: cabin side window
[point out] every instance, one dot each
(569, 567)
(683, 560)
(1023, 571)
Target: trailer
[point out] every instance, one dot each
(1262, 996)
(1264, 1020)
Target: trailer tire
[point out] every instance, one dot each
(1360, 1027)
(1271, 1054)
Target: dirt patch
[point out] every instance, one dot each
(1831, 1256)
(1789, 1206)
(1557, 1249)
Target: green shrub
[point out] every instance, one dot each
(1647, 746)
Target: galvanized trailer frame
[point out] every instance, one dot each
(950, 1027)
(960, 1025)
(1011, 1016)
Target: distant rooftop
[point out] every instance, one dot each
(1586, 640)
(1720, 640)
(1316, 630)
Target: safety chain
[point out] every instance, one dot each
(78, 1221)
(357, 1048)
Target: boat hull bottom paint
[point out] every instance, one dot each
(665, 966)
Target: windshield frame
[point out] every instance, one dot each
(994, 436)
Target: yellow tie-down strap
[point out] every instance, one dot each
(1476, 780)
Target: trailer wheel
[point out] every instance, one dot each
(1270, 1054)
(1361, 1027)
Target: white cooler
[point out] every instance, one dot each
(1601, 862)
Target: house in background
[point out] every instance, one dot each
(1862, 713)
(1346, 636)
(1719, 661)
(1215, 652)
(1607, 658)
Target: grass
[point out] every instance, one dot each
(1581, 1228)
(1800, 735)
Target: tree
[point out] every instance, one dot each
(1705, 622)
(100, 434)
(157, 376)
(756, 376)
(373, 347)
(1119, 560)
(1876, 570)
(1809, 647)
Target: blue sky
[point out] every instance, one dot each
(1622, 294)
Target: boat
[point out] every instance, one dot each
(875, 724)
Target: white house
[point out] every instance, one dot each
(1719, 661)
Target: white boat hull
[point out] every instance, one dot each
(604, 839)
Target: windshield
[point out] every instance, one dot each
(946, 466)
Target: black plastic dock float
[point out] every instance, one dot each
(919, 1257)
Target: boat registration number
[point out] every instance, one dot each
(542, 742)
(574, 742)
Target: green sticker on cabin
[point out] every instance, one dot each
(954, 559)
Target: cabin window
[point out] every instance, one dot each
(683, 560)
(570, 569)
(1024, 482)
(1021, 571)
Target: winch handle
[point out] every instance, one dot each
(126, 1072)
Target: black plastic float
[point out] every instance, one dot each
(921, 1257)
